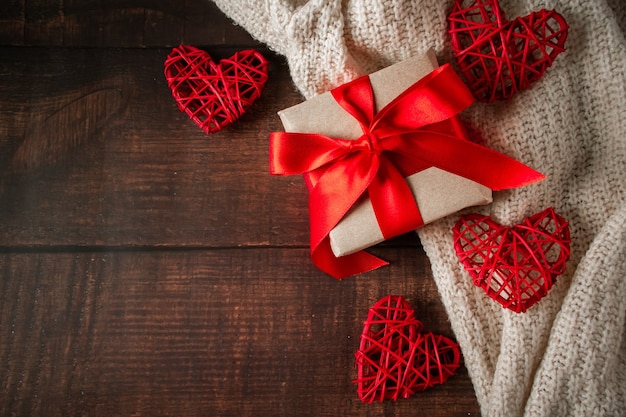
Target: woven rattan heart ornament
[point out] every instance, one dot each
(499, 57)
(215, 95)
(516, 266)
(395, 359)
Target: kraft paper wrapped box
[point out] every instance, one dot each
(438, 193)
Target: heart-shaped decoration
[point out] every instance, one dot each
(516, 266)
(215, 95)
(499, 57)
(395, 359)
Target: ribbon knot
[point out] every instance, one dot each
(415, 131)
(367, 142)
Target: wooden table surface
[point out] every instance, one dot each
(147, 268)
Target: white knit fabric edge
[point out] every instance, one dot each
(567, 354)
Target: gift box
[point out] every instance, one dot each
(396, 135)
(438, 193)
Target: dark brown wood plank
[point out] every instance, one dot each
(117, 23)
(223, 332)
(43, 22)
(94, 151)
(12, 22)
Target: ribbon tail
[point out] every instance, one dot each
(500, 171)
(472, 161)
(393, 202)
(332, 196)
(328, 203)
(345, 266)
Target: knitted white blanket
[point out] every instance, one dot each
(566, 356)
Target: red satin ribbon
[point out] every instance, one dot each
(413, 132)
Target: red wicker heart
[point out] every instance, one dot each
(395, 359)
(215, 95)
(499, 57)
(516, 266)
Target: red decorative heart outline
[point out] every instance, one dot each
(215, 95)
(516, 266)
(395, 359)
(499, 57)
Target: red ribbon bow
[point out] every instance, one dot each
(413, 132)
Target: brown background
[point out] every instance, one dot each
(149, 269)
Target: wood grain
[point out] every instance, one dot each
(111, 119)
(199, 333)
(149, 269)
(117, 23)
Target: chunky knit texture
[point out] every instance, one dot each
(567, 354)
